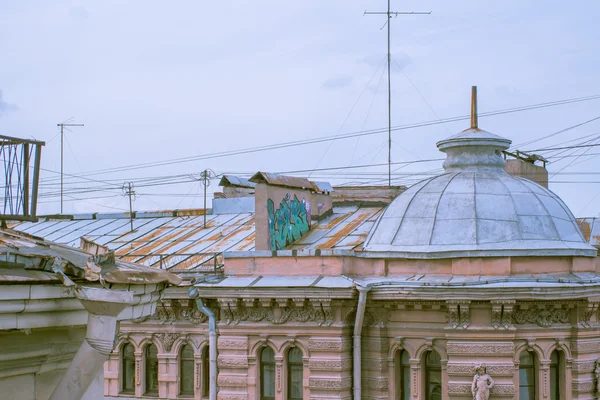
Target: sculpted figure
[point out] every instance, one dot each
(482, 383)
(597, 373)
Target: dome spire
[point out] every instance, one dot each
(474, 107)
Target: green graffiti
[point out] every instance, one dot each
(288, 223)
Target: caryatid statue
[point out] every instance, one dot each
(482, 383)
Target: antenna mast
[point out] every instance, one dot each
(62, 159)
(389, 14)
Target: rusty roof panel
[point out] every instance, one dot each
(236, 181)
(281, 180)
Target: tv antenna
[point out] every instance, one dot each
(389, 14)
(62, 159)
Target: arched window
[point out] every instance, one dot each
(151, 370)
(267, 374)
(127, 369)
(433, 376)
(294, 374)
(186, 370)
(527, 381)
(402, 375)
(555, 384)
(205, 372)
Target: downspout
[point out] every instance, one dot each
(358, 323)
(212, 342)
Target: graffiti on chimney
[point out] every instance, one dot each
(289, 222)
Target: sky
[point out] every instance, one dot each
(156, 81)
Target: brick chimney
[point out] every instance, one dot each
(523, 165)
(285, 206)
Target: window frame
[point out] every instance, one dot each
(401, 386)
(432, 368)
(205, 373)
(122, 360)
(182, 392)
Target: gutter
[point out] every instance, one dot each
(212, 342)
(358, 323)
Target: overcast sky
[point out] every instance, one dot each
(155, 80)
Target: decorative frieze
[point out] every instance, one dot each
(465, 389)
(170, 311)
(373, 344)
(329, 345)
(276, 313)
(233, 362)
(237, 344)
(583, 386)
(330, 383)
(586, 313)
(343, 364)
(584, 366)
(585, 346)
(371, 318)
(467, 369)
(232, 381)
(376, 383)
(374, 364)
(540, 314)
(479, 348)
(458, 314)
(502, 313)
(232, 397)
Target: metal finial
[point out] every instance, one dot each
(473, 107)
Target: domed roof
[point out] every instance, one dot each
(476, 209)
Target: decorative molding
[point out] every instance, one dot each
(233, 397)
(232, 381)
(583, 387)
(372, 319)
(585, 347)
(276, 313)
(465, 389)
(584, 366)
(330, 383)
(467, 369)
(375, 364)
(170, 311)
(480, 348)
(541, 314)
(458, 313)
(329, 345)
(233, 362)
(330, 365)
(376, 383)
(232, 344)
(167, 339)
(375, 344)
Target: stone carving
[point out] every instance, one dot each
(337, 345)
(467, 369)
(597, 374)
(232, 381)
(583, 387)
(167, 339)
(330, 365)
(482, 383)
(169, 311)
(371, 319)
(233, 362)
(232, 344)
(465, 390)
(587, 313)
(458, 314)
(583, 367)
(489, 348)
(193, 315)
(232, 312)
(330, 384)
(585, 347)
(233, 397)
(376, 383)
(497, 316)
(543, 317)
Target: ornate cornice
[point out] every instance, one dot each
(276, 312)
(330, 383)
(479, 348)
(329, 345)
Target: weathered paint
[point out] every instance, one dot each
(288, 222)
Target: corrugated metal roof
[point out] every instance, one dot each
(236, 181)
(183, 243)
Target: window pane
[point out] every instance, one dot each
(433, 358)
(151, 369)
(524, 394)
(267, 361)
(295, 372)
(295, 355)
(554, 393)
(434, 376)
(526, 376)
(205, 372)
(187, 377)
(187, 352)
(526, 358)
(406, 382)
(128, 368)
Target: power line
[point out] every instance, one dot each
(62, 159)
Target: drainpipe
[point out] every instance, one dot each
(212, 342)
(103, 307)
(358, 323)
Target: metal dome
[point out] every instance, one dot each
(476, 209)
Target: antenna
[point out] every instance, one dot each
(128, 191)
(474, 107)
(62, 159)
(389, 59)
(205, 177)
